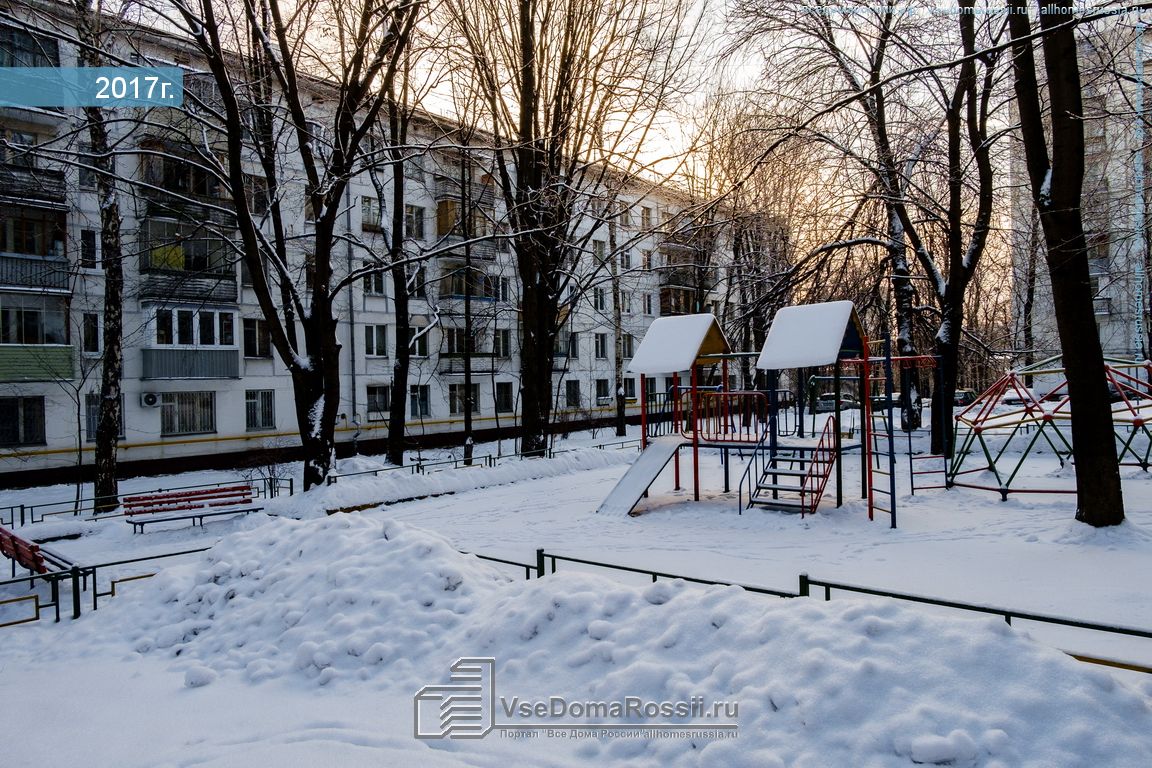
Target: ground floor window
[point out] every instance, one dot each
(260, 408)
(421, 404)
(504, 397)
(21, 421)
(379, 402)
(187, 413)
(456, 402)
(92, 403)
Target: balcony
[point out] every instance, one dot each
(478, 194)
(32, 184)
(36, 362)
(191, 363)
(483, 363)
(188, 286)
(33, 272)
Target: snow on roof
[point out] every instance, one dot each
(673, 344)
(809, 335)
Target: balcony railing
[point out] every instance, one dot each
(36, 362)
(32, 184)
(160, 363)
(33, 271)
(189, 286)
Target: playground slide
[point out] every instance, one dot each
(640, 475)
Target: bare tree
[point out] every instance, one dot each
(1056, 173)
(309, 102)
(573, 89)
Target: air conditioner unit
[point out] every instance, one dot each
(149, 399)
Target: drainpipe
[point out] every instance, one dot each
(351, 301)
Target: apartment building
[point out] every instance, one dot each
(201, 380)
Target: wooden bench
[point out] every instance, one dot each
(30, 555)
(194, 505)
(179, 501)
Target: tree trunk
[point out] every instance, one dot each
(106, 488)
(1056, 188)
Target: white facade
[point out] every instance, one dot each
(200, 377)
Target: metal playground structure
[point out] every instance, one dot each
(1009, 422)
(782, 471)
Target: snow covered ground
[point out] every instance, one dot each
(303, 641)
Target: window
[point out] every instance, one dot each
(414, 168)
(504, 402)
(418, 284)
(21, 421)
(184, 247)
(418, 341)
(456, 404)
(625, 300)
(646, 259)
(572, 393)
(567, 344)
(181, 176)
(86, 174)
(603, 392)
(257, 340)
(90, 331)
(650, 388)
(628, 344)
(647, 303)
(374, 282)
(376, 340)
(601, 346)
(502, 343)
(31, 319)
(623, 215)
(369, 214)
(629, 389)
(420, 405)
(260, 408)
(92, 402)
(32, 231)
(447, 218)
(23, 49)
(646, 218)
(89, 249)
(379, 401)
(187, 413)
(455, 341)
(599, 299)
(195, 328)
(413, 222)
(16, 148)
(599, 251)
(626, 259)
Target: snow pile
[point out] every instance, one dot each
(399, 484)
(325, 598)
(344, 600)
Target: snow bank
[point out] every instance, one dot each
(342, 600)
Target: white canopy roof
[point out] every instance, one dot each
(810, 335)
(674, 343)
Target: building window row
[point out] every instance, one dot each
(195, 328)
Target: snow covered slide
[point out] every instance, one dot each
(641, 475)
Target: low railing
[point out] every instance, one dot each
(726, 417)
(79, 578)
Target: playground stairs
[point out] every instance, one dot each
(790, 478)
(781, 483)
